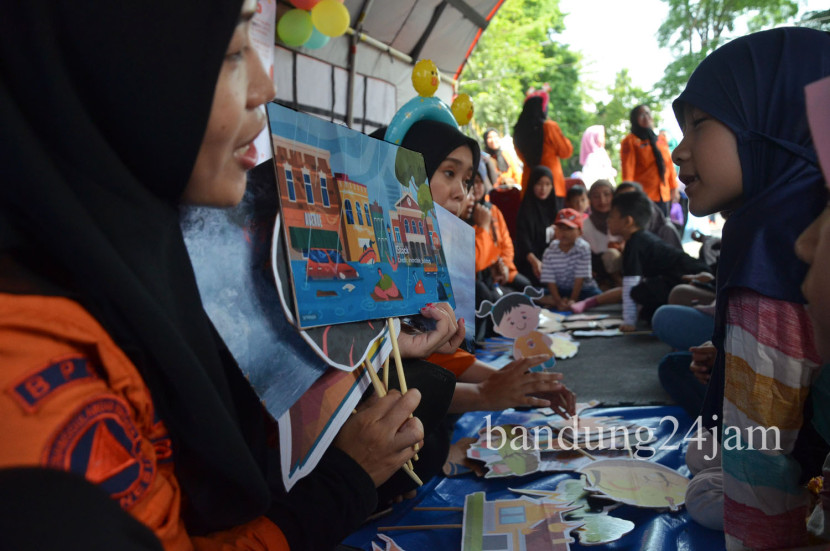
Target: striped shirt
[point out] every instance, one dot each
(563, 268)
(771, 361)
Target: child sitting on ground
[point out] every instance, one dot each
(650, 267)
(566, 264)
(577, 199)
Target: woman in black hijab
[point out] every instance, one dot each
(112, 115)
(534, 227)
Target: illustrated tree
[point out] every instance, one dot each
(409, 170)
(694, 28)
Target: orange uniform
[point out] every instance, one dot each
(555, 146)
(639, 165)
(457, 362)
(489, 250)
(70, 399)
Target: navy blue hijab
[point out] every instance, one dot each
(755, 86)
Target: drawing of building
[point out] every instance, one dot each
(357, 227)
(515, 524)
(309, 198)
(411, 231)
(384, 241)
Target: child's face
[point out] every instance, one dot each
(601, 199)
(519, 321)
(615, 221)
(542, 188)
(566, 235)
(709, 163)
(449, 183)
(236, 118)
(813, 247)
(579, 203)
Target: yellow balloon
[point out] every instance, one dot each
(330, 17)
(462, 109)
(425, 78)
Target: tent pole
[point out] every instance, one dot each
(354, 37)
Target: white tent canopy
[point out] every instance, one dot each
(372, 63)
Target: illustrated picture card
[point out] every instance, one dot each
(359, 222)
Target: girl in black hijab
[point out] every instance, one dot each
(534, 226)
(113, 114)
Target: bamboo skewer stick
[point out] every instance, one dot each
(586, 454)
(380, 390)
(420, 527)
(386, 372)
(438, 508)
(396, 352)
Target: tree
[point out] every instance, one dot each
(614, 115)
(518, 51)
(816, 20)
(694, 28)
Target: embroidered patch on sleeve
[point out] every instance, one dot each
(37, 387)
(101, 442)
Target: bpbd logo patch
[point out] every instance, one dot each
(37, 387)
(101, 442)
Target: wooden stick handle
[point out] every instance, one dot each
(396, 352)
(438, 508)
(419, 527)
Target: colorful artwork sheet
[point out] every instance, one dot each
(598, 527)
(515, 523)
(360, 226)
(637, 482)
(818, 113)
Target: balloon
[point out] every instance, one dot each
(330, 17)
(317, 40)
(462, 109)
(416, 109)
(294, 27)
(425, 78)
(304, 4)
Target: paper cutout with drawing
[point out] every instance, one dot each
(391, 545)
(516, 316)
(515, 523)
(598, 527)
(514, 450)
(361, 231)
(637, 482)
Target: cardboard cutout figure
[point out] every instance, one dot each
(517, 317)
(637, 482)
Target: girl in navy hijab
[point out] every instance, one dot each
(747, 149)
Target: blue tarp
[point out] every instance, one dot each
(654, 530)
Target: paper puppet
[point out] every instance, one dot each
(360, 227)
(637, 482)
(458, 463)
(517, 523)
(515, 450)
(598, 526)
(516, 316)
(600, 433)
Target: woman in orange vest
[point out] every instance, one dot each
(646, 159)
(540, 141)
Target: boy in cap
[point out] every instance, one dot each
(566, 264)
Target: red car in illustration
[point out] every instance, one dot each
(328, 264)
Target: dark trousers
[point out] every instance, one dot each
(651, 294)
(679, 382)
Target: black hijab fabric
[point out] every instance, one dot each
(501, 162)
(755, 86)
(534, 217)
(435, 140)
(104, 106)
(528, 134)
(648, 134)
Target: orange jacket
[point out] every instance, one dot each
(488, 251)
(554, 147)
(70, 399)
(513, 171)
(457, 362)
(639, 165)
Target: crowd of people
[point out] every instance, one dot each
(122, 404)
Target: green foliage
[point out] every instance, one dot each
(694, 28)
(424, 198)
(614, 114)
(816, 20)
(409, 167)
(516, 52)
